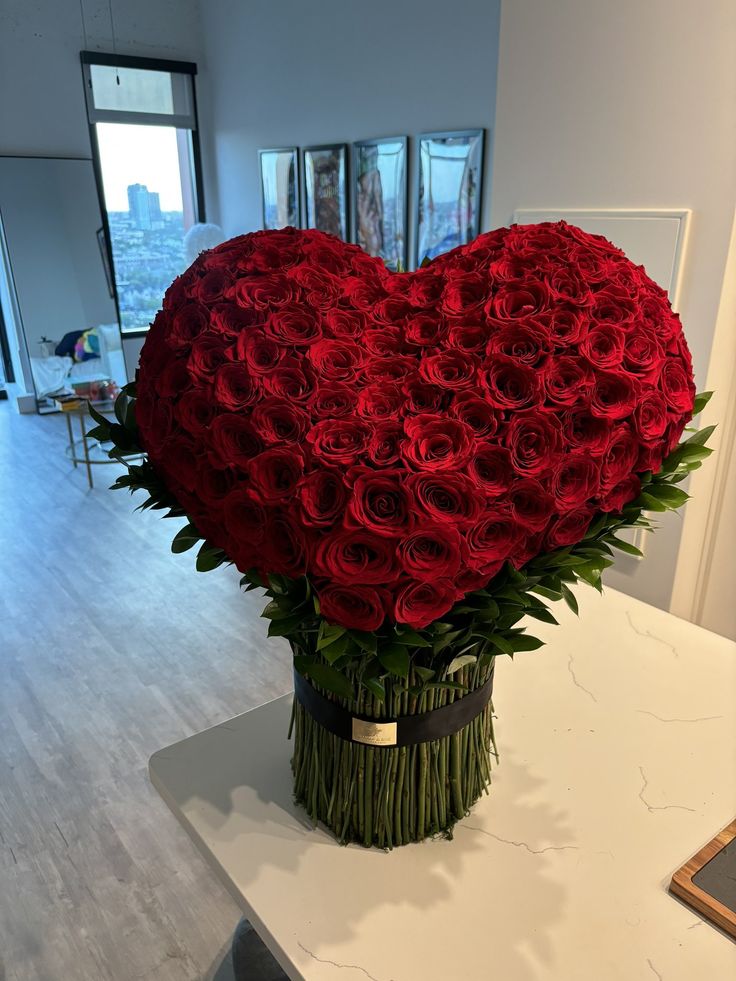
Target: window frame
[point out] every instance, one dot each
(88, 58)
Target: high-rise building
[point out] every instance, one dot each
(144, 206)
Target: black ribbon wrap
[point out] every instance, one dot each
(410, 729)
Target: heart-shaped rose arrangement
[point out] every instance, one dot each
(399, 437)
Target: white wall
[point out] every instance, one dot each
(292, 73)
(625, 105)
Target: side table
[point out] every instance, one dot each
(83, 449)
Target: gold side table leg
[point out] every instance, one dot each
(72, 454)
(86, 449)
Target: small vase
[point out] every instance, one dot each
(385, 795)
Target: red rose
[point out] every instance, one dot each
(511, 385)
(260, 353)
(575, 480)
(291, 379)
(491, 540)
(431, 553)
(465, 293)
(526, 343)
(174, 379)
(566, 379)
(205, 357)
(278, 421)
(356, 555)
(294, 324)
(285, 547)
(604, 346)
(614, 394)
(179, 463)
(195, 411)
(419, 603)
(583, 431)
(235, 388)
(619, 496)
(569, 528)
(379, 502)
(274, 474)
(446, 497)
(515, 301)
(338, 441)
(643, 354)
(245, 519)
(435, 442)
(344, 323)
(425, 289)
(333, 399)
(476, 413)
(425, 329)
(234, 440)
(322, 495)
(533, 439)
(212, 286)
(421, 397)
(396, 368)
(470, 337)
(620, 458)
(384, 445)
(651, 416)
(354, 607)
(531, 505)
(677, 388)
(491, 468)
(451, 369)
(187, 323)
(336, 360)
(264, 292)
(379, 401)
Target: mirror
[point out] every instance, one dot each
(57, 266)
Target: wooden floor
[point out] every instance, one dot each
(110, 648)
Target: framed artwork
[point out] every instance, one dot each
(380, 199)
(449, 194)
(280, 187)
(325, 170)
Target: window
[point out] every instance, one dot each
(143, 122)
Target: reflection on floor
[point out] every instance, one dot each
(110, 648)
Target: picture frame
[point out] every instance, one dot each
(326, 189)
(449, 190)
(279, 171)
(380, 199)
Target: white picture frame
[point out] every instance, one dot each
(655, 238)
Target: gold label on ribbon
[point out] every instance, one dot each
(374, 733)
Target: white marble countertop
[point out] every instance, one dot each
(618, 762)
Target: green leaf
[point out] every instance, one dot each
(673, 497)
(627, 547)
(209, 557)
(570, 598)
(523, 642)
(185, 538)
(460, 662)
(410, 638)
(502, 643)
(701, 437)
(336, 649)
(453, 685)
(376, 687)
(395, 659)
(324, 676)
(365, 641)
(701, 400)
(426, 674)
(329, 634)
(544, 615)
(278, 609)
(649, 503)
(551, 594)
(286, 626)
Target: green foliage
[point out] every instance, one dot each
(484, 624)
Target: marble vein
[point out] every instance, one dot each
(654, 969)
(326, 960)
(650, 636)
(575, 681)
(520, 844)
(659, 718)
(660, 807)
